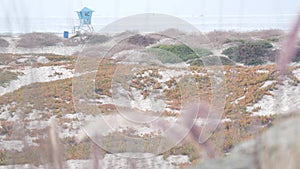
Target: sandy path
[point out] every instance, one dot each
(34, 75)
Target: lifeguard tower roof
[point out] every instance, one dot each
(85, 15)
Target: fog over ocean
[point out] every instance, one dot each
(203, 23)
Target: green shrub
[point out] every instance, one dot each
(202, 52)
(250, 52)
(273, 39)
(164, 56)
(264, 43)
(3, 158)
(234, 40)
(211, 61)
(179, 50)
(231, 51)
(217, 60)
(196, 62)
(183, 52)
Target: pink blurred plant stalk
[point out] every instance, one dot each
(97, 161)
(288, 51)
(56, 151)
(195, 133)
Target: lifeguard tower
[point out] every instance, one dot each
(85, 18)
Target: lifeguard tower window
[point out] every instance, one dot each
(87, 14)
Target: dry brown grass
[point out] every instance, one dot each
(219, 38)
(35, 40)
(3, 43)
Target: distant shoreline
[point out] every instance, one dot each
(9, 34)
(202, 23)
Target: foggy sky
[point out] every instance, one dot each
(121, 8)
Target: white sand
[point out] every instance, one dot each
(285, 99)
(267, 83)
(169, 73)
(34, 75)
(6, 115)
(262, 71)
(238, 100)
(59, 49)
(12, 145)
(112, 161)
(297, 73)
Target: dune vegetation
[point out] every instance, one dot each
(248, 70)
